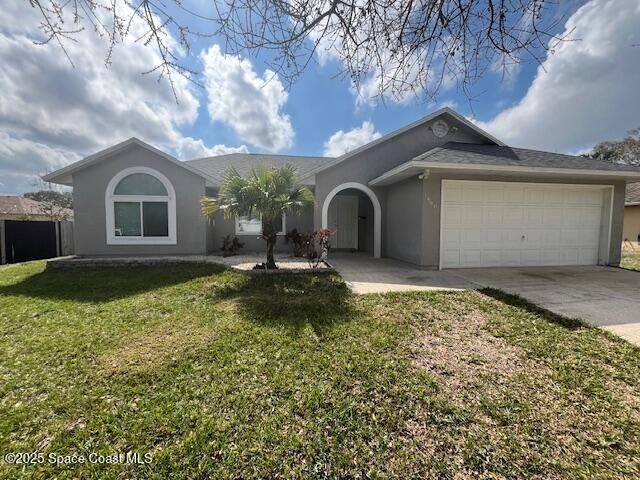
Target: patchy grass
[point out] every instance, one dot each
(630, 261)
(219, 375)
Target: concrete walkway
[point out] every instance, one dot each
(365, 274)
(602, 296)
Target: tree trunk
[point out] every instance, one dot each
(271, 237)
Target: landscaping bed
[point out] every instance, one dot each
(216, 374)
(286, 264)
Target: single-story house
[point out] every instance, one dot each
(438, 193)
(13, 207)
(631, 230)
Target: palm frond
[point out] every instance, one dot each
(265, 193)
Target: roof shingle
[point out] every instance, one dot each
(216, 167)
(14, 205)
(469, 153)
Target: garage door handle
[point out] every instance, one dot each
(524, 238)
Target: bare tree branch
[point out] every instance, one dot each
(402, 47)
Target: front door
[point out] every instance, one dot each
(343, 219)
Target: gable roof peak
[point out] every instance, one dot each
(63, 176)
(421, 121)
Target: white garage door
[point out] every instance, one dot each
(519, 224)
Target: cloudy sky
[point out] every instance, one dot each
(53, 113)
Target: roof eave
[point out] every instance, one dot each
(413, 167)
(64, 175)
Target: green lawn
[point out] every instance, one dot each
(630, 261)
(220, 376)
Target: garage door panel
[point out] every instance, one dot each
(452, 216)
(551, 256)
(534, 236)
(494, 194)
(471, 237)
(491, 258)
(493, 237)
(513, 215)
(511, 258)
(453, 193)
(511, 224)
(513, 194)
(574, 197)
(532, 257)
(551, 237)
(534, 216)
(591, 216)
(451, 237)
(553, 216)
(571, 236)
(533, 195)
(451, 258)
(472, 215)
(553, 196)
(492, 215)
(588, 256)
(471, 258)
(473, 194)
(590, 237)
(570, 256)
(513, 237)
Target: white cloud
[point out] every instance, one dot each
(189, 148)
(52, 114)
(342, 142)
(587, 91)
(22, 161)
(248, 103)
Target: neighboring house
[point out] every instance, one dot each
(631, 231)
(21, 208)
(439, 193)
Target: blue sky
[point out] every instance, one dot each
(52, 114)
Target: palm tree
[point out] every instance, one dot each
(265, 194)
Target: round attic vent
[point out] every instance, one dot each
(440, 128)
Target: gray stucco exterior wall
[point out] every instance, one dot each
(369, 164)
(617, 223)
(404, 221)
(89, 188)
(222, 227)
(432, 209)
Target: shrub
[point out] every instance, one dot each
(230, 246)
(316, 246)
(297, 240)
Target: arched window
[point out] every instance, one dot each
(141, 208)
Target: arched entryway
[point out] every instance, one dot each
(375, 204)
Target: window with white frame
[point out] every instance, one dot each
(141, 208)
(253, 225)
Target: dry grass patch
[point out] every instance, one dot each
(151, 350)
(507, 406)
(463, 355)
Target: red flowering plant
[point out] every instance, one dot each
(316, 246)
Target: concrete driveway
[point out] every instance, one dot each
(602, 296)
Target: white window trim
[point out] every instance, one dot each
(240, 233)
(110, 198)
